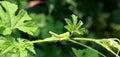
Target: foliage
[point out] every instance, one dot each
(11, 20)
(85, 53)
(15, 21)
(74, 27)
(16, 47)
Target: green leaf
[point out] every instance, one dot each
(11, 18)
(16, 47)
(1, 42)
(69, 26)
(74, 19)
(0, 55)
(85, 53)
(74, 26)
(110, 45)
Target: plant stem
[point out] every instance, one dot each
(60, 39)
(84, 39)
(50, 40)
(74, 39)
(63, 39)
(66, 39)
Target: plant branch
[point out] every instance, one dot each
(67, 39)
(73, 39)
(49, 40)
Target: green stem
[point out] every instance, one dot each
(49, 40)
(67, 39)
(84, 39)
(74, 39)
(60, 39)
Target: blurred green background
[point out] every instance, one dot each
(101, 18)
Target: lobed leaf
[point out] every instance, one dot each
(74, 26)
(85, 53)
(16, 47)
(11, 18)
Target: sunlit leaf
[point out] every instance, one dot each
(16, 47)
(74, 26)
(11, 18)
